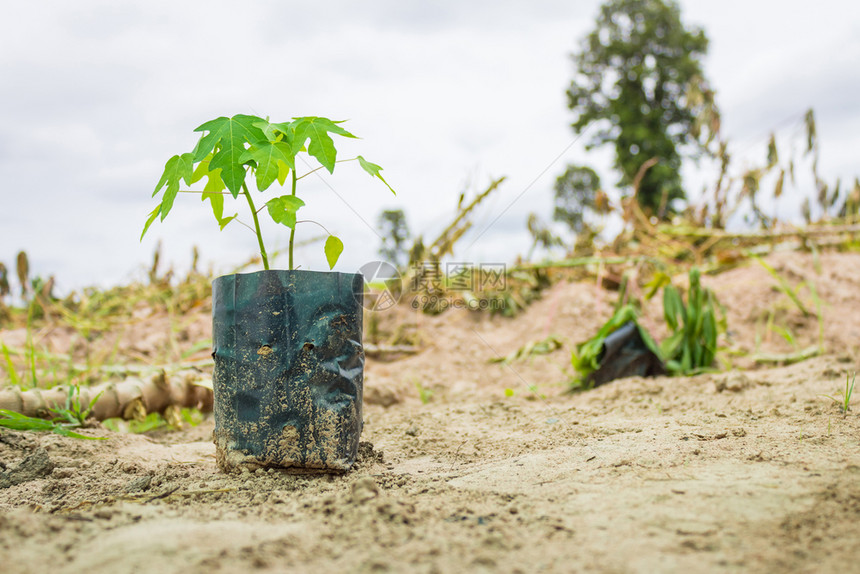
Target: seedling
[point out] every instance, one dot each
(73, 413)
(844, 403)
(231, 148)
(784, 286)
(424, 393)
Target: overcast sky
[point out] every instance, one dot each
(96, 95)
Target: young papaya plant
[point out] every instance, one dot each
(229, 149)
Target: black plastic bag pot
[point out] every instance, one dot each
(289, 368)
(625, 354)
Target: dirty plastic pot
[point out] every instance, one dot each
(289, 369)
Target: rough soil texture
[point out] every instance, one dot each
(748, 470)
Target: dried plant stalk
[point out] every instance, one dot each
(131, 398)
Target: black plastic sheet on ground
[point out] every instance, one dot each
(625, 354)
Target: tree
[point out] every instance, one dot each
(395, 232)
(541, 235)
(639, 81)
(575, 193)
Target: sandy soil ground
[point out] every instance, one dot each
(748, 470)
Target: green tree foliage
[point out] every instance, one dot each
(639, 81)
(575, 192)
(541, 234)
(395, 233)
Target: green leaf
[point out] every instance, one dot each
(283, 172)
(269, 157)
(585, 359)
(673, 306)
(686, 358)
(177, 168)
(17, 416)
(152, 215)
(61, 430)
(321, 145)
(216, 199)
(649, 341)
(227, 138)
(783, 285)
(283, 209)
(18, 421)
(10, 366)
(284, 131)
(659, 281)
(222, 223)
(670, 345)
(374, 170)
(226, 129)
(274, 132)
(214, 181)
(333, 249)
(673, 366)
(214, 186)
(21, 425)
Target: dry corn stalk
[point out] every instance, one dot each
(132, 398)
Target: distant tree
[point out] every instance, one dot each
(541, 235)
(4, 282)
(575, 193)
(639, 81)
(4, 291)
(395, 233)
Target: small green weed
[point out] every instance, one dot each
(71, 416)
(844, 404)
(154, 421)
(73, 412)
(424, 393)
(784, 286)
(530, 349)
(14, 378)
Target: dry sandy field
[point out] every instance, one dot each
(470, 465)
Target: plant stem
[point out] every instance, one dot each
(257, 229)
(293, 230)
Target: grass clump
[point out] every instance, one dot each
(692, 346)
(845, 402)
